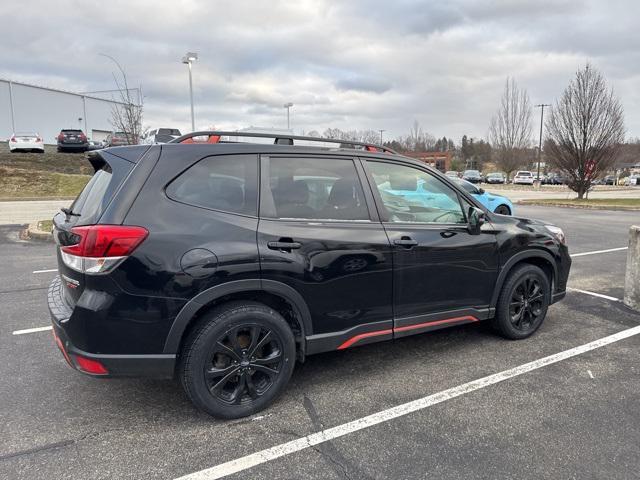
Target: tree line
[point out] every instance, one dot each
(584, 134)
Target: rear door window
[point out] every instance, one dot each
(316, 188)
(223, 182)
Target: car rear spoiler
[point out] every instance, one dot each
(131, 154)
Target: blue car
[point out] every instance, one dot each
(494, 203)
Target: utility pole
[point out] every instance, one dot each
(541, 106)
(381, 135)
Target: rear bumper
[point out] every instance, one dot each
(73, 146)
(149, 365)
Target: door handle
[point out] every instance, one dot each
(406, 242)
(284, 245)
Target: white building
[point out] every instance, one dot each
(31, 108)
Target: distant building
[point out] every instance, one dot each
(31, 108)
(439, 160)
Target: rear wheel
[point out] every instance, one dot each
(238, 361)
(523, 302)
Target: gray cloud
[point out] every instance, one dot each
(356, 64)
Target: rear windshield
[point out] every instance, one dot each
(71, 131)
(98, 192)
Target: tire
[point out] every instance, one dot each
(516, 318)
(238, 383)
(503, 210)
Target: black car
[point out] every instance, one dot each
(222, 264)
(72, 139)
(472, 176)
(496, 178)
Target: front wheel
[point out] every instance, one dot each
(523, 302)
(503, 210)
(238, 361)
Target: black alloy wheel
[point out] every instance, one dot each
(244, 363)
(238, 360)
(523, 302)
(527, 303)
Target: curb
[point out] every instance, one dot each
(586, 207)
(33, 233)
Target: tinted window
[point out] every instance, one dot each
(99, 191)
(228, 183)
(327, 189)
(413, 196)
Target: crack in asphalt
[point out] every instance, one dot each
(340, 465)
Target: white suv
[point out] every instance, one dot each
(523, 177)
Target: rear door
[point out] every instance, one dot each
(442, 273)
(319, 234)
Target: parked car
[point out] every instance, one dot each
(95, 145)
(492, 202)
(472, 176)
(72, 139)
(26, 141)
(496, 178)
(117, 139)
(171, 264)
(633, 180)
(523, 177)
(161, 135)
(609, 180)
(452, 174)
(553, 178)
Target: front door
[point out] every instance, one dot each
(319, 235)
(443, 274)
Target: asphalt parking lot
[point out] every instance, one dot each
(575, 418)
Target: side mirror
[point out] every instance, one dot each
(476, 220)
(480, 191)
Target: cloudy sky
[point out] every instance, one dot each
(352, 64)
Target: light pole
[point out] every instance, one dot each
(288, 105)
(188, 59)
(381, 130)
(541, 106)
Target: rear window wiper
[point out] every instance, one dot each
(69, 213)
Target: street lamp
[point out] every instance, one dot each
(541, 106)
(381, 130)
(188, 59)
(288, 105)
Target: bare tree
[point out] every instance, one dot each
(585, 129)
(510, 128)
(126, 113)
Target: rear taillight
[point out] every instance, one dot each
(100, 248)
(13, 138)
(83, 137)
(38, 139)
(61, 137)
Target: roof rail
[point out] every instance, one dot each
(214, 136)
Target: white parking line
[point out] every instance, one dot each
(32, 330)
(594, 294)
(595, 252)
(258, 458)
(45, 271)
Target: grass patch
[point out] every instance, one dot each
(50, 161)
(24, 183)
(592, 202)
(45, 225)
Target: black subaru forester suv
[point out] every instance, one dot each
(222, 263)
